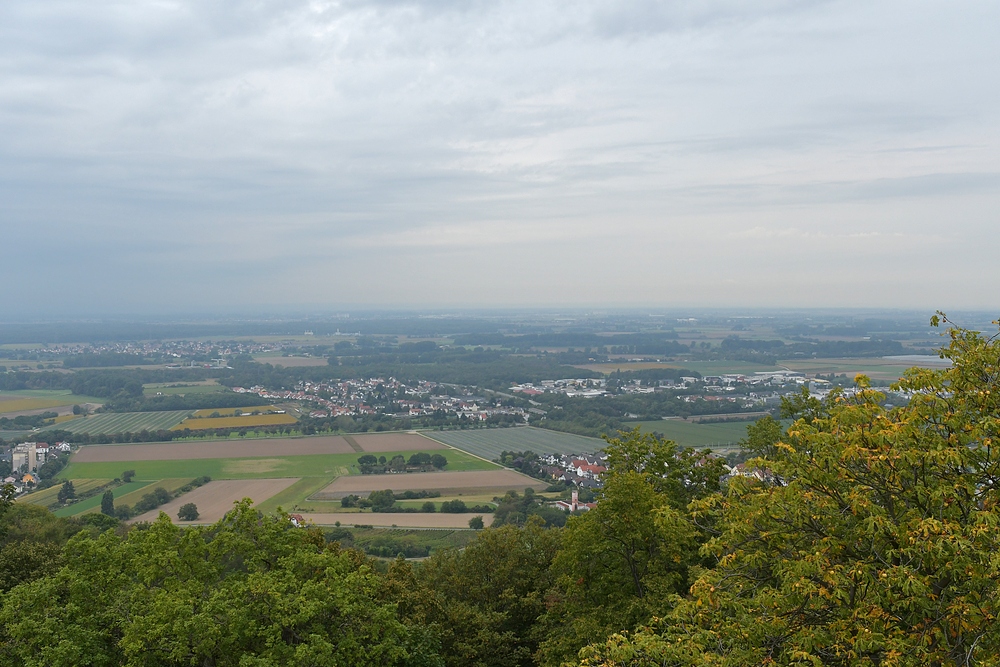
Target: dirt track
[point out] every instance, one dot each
(487, 481)
(407, 520)
(177, 451)
(216, 498)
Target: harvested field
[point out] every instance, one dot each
(216, 498)
(408, 520)
(395, 442)
(209, 449)
(482, 481)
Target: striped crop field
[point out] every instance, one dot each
(124, 422)
(234, 422)
(49, 497)
(93, 503)
(489, 443)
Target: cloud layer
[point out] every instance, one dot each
(160, 156)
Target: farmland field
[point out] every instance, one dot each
(120, 422)
(94, 502)
(703, 367)
(294, 494)
(415, 519)
(170, 485)
(49, 497)
(498, 480)
(17, 401)
(490, 442)
(376, 443)
(212, 449)
(694, 434)
(229, 412)
(885, 368)
(234, 422)
(277, 465)
(183, 388)
(217, 497)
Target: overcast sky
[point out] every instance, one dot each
(171, 155)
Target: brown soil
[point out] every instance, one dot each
(216, 498)
(176, 451)
(408, 520)
(395, 442)
(479, 481)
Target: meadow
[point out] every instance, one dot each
(120, 422)
(32, 399)
(317, 465)
(49, 497)
(93, 503)
(696, 434)
(230, 412)
(489, 443)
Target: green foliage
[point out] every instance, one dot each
(66, 492)
(870, 540)
(108, 503)
(476, 523)
(188, 512)
(247, 591)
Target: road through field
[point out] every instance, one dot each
(216, 498)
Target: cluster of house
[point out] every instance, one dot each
(385, 396)
(26, 458)
(581, 470)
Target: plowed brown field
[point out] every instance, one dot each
(480, 481)
(216, 498)
(395, 442)
(177, 451)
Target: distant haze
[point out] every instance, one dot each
(182, 156)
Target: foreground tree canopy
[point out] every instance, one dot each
(861, 534)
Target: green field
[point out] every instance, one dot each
(182, 388)
(316, 465)
(36, 399)
(694, 434)
(490, 442)
(121, 422)
(877, 369)
(94, 502)
(296, 494)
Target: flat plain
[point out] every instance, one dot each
(243, 421)
(217, 497)
(489, 443)
(36, 399)
(498, 480)
(290, 362)
(375, 443)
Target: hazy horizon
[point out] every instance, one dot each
(182, 157)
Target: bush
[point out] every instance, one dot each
(476, 523)
(188, 512)
(428, 507)
(453, 506)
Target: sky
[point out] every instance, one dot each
(176, 155)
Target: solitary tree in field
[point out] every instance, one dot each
(67, 492)
(188, 512)
(128, 475)
(476, 523)
(108, 503)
